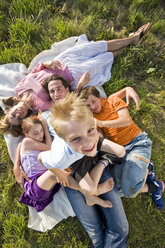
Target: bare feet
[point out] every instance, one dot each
(91, 200)
(138, 35)
(105, 186)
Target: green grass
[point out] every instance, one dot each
(28, 27)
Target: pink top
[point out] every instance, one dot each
(33, 82)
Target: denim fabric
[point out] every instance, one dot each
(130, 175)
(116, 232)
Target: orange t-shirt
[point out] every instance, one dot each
(120, 135)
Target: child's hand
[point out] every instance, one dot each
(43, 121)
(131, 93)
(98, 123)
(85, 78)
(63, 177)
(20, 176)
(54, 64)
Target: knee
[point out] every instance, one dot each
(133, 181)
(130, 190)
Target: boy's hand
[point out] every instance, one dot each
(131, 93)
(54, 64)
(98, 123)
(63, 177)
(85, 78)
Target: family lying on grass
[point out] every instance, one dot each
(69, 140)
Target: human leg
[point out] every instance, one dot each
(118, 44)
(92, 199)
(47, 180)
(37, 197)
(135, 168)
(117, 228)
(88, 216)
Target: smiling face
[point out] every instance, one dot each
(36, 132)
(94, 103)
(17, 113)
(57, 91)
(82, 136)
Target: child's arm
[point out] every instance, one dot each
(128, 92)
(48, 138)
(122, 121)
(112, 148)
(19, 174)
(85, 78)
(62, 176)
(31, 144)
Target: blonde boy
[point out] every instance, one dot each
(74, 122)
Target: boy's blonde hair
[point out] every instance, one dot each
(71, 108)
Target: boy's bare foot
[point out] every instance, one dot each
(92, 200)
(139, 34)
(105, 186)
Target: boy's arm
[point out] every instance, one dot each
(19, 174)
(62, 176)
(113, 148)
(123, 120)
(85, 78)
(128, 92)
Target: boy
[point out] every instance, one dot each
(74, 123)
(88, 182)
(135, 175)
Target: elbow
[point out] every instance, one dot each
(128, 122)
(49, 147)
(40, 157)
(122, 152)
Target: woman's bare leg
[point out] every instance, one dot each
(118, 44)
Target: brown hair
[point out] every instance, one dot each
(71, 108)
(90, 90)
(65, 83)
(28, 122)
(5, 125)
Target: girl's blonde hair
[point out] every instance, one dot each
(71, 108)
(28, 122)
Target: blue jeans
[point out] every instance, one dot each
(116, 233)
(130, 175)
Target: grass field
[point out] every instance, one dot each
(28, 27)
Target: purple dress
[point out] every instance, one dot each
(34, 196)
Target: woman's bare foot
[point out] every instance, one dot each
(138, 35)
(105, 186)
(92, 200)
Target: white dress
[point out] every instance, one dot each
(88, 56)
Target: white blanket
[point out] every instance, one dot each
(10, 75)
